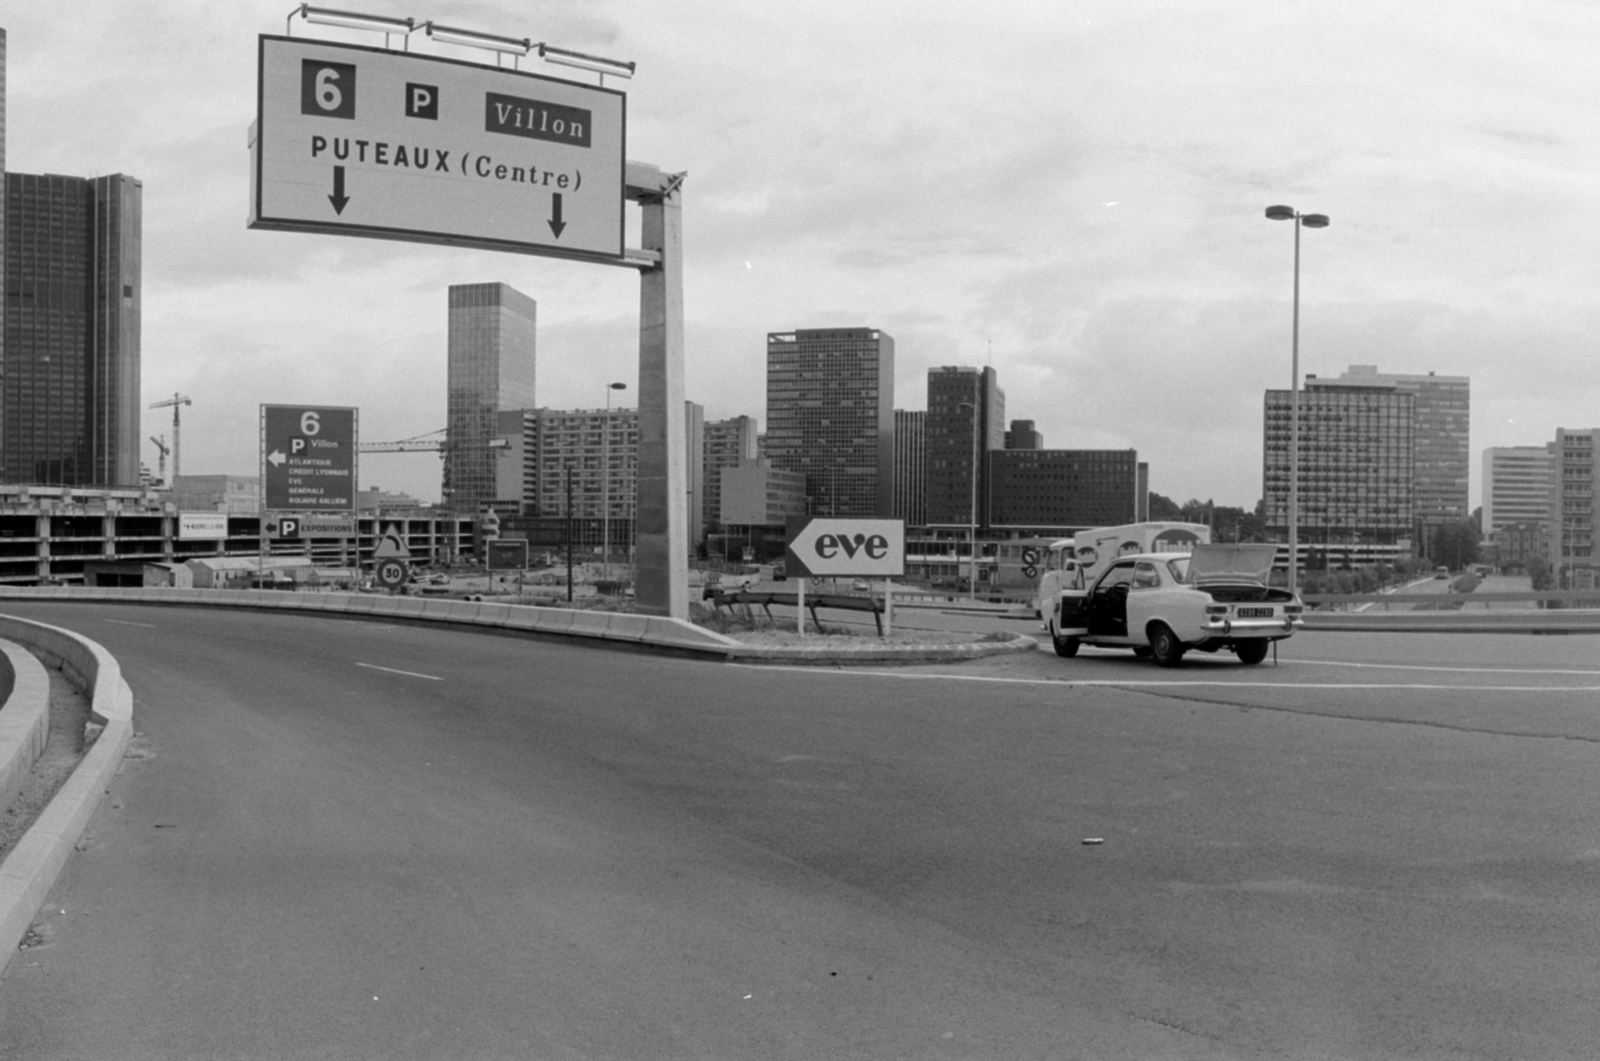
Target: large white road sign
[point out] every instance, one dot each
(395, 145)
(858, 548)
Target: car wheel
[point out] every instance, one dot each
(1165, 648)
(1064, 646)
(1251, 652)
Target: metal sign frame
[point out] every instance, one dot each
(364, 141)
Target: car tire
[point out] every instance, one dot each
(1251, 652)
(1066, 647)
(1165, 648)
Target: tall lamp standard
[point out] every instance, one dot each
(1289, 213)
(605, 482)
(972, 511)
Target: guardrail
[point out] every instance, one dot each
(32, 867)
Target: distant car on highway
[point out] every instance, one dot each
(1163, 605)
(1441, 572)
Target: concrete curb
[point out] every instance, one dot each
(24, 721)
(650, 630)
(32, 868)
(838, 656)
(623, 628)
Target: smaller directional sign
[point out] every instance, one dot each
(308, 459)
(865, 548)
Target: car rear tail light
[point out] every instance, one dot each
(1216, 609)
(1293, 609)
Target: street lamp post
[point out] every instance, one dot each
(605, 483)
(1289, 213)
(972, 511)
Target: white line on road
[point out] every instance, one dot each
(1450, 670)
(407, 673)
(124, 622)
(1203, 683)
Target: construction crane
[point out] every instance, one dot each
(161, 445)
(424, 444)
(177, 401)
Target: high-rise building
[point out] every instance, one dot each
(1357, 450)
(830, 416)
(694, 440)
(1038, 489)
(69, 374)
(492, 335)
(1021, 435)
(1516, 486)
(577, 439)
(728, 444)
(1440, 464)
(961, 401)
(910, 467)
(1573, 482)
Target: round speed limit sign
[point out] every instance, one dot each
(391, 574)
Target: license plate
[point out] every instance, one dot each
(1255, 613)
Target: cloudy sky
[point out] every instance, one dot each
(1072, 192)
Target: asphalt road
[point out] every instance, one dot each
(341, 839)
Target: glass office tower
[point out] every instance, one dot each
(830, 416)
(491, 370)
(69, 364)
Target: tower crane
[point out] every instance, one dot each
(177, 401)
(161, 446)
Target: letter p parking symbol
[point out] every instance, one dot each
(422, 101)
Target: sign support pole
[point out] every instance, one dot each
(661, 513)
(800, 605)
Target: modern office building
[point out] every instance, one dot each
(1357, 481)
(910, 467)
(728, 444)
(966, 420)
(1516, 486)
(69, 372)
(1572, 509)
(1441, 459)
(830, 416)
(492, 333)
(1021, 435)
(694, 440)
(1040, 491)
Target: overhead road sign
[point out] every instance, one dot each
(857, 548)
(362, 141)
(308, 459)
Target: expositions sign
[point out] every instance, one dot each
(863, 548)
(308, 458)
(396, 145)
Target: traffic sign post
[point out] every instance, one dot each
(308, 459)
(855, 548)
(391, 573)
(364, 141)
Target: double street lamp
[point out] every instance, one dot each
(1289, 213)
(605, 482)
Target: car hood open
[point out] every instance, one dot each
(1215, 563)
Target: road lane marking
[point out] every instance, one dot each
(124, 622)
(1172, 683)
(407, 673)
(1448, 670)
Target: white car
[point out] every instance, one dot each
(1163, 605)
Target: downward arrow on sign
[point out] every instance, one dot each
(338, 198)
(556, 224)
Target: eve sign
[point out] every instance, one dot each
(865, 548)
